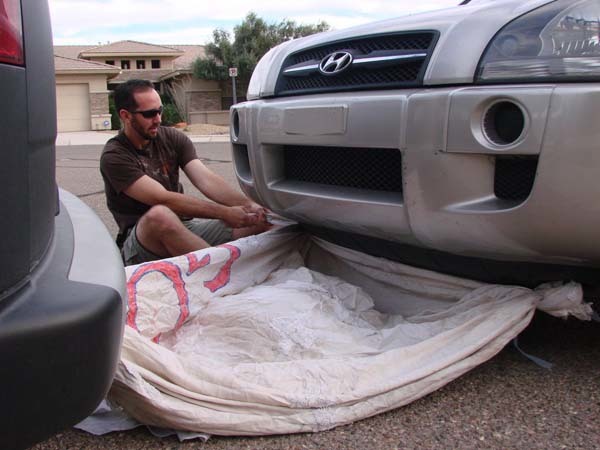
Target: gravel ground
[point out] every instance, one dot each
(508, 402)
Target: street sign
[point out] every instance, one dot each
(233, 71)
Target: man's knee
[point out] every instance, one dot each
(159, 219)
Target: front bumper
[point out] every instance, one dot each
(449, 199)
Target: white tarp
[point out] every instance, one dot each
(283, 333)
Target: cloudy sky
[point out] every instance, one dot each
(76, 22)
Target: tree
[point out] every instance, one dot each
(252, 39)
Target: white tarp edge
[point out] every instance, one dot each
(264, 336)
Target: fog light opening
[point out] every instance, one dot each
(504, 123)
(235, 123)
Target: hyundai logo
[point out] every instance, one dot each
(335, 63)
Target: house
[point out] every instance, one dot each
(85, 75)
(81, 94)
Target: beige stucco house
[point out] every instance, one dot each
(86, 74)
(82, 94)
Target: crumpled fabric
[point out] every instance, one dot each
(286, 333)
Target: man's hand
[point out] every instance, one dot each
(254, 208)
(238, 217)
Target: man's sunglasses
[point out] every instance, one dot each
(149, 113)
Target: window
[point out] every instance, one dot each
(125, 64)
(140, 64)
(110, 62)
(156, 63)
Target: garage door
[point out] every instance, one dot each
(73, 107)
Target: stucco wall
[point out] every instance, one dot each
(210, 117)
(165, 63)
(97, 82)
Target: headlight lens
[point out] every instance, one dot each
(557, 42)
(259, 75)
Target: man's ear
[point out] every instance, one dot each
(124, 115)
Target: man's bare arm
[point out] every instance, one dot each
(213, 185)
(151, 192)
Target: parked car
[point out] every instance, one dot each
(61, 277)
(463, 140)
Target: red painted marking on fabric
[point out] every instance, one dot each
(224, 276)
(194, 264)
(173, 274)
(132, 305)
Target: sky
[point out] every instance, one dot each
(91, 22)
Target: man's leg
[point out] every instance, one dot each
(216, 232)
(161, 232)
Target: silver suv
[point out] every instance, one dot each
(458, 140)
(62, 281)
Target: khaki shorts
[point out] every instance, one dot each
(214, 232)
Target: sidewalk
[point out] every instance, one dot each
(100, 138)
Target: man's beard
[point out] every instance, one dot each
(141, 132)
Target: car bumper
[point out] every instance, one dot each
(448, 200)
(60, 333)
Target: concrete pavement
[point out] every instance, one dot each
(507, 402)
(100, 138)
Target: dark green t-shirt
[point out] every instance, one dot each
(121, 165)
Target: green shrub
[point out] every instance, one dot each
(170, 115)
(115, 122)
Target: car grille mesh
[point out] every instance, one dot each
(407, 41)
(514, 177)
(374, 169)
(357, 78)
(404, 73)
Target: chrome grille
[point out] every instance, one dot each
(381, 61)
(376, 169)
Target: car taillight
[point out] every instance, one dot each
(11, 32)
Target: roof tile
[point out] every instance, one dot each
(153, 75)
(133, 47)
(73, 64)
(188, 54)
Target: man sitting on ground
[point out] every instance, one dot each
(140, 167)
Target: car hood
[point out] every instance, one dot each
(464, 33)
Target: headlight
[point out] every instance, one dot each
(557, 42)
(256, 86)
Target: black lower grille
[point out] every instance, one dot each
(514, 177)
(241, 161)
(377, 169)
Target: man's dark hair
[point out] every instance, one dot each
(124, 98)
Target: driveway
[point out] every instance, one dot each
(507, 402)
